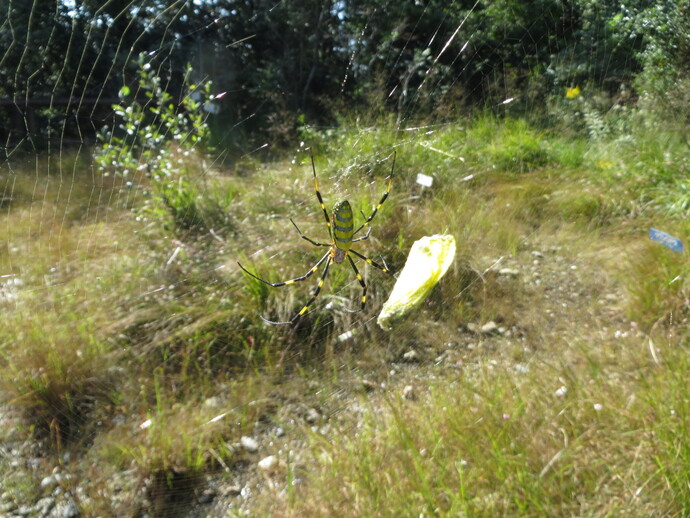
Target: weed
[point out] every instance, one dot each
(154, 139)
(53, 367)
(583, 426)
(489, 443)
(658, 284)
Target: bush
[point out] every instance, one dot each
(153, 142)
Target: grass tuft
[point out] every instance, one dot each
(54, 370)
(657, 281)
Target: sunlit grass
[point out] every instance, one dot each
(594, 432)
(119, 319)
(54, 367)
(657, 280)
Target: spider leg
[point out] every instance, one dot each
(291, 281)
(369, 261)
(366, 236)
(383, 199)
(318, 195)
(307, 238)
(314, 295)
(361, 281)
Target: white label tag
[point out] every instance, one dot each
(424, 180)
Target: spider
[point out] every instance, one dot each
(340, 229)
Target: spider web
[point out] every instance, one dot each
(88, 214)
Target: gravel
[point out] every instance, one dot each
(556, 288)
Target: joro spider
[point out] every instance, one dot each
(340, 229)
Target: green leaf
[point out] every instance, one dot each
(124, 92)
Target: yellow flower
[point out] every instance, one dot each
(572, 93)
(604, 164)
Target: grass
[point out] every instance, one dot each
(118, 318)
(54, 368)
(658, 285)
(500, 442)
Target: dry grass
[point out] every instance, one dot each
(116, 322)
(588, 422)
(495, 443)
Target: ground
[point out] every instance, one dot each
(544, 375)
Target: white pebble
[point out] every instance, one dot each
(249, 444)
(409, 393)
(562, 391)
(268, 462)
(411, 356)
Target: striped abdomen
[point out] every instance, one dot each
(343, 228)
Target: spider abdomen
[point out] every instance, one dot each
(343, 228)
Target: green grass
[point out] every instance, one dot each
(123, 316)
(497, 442)
(658, 285)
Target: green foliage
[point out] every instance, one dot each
(666, 60)
(280, 62)
(153, 139)
(519, 150)
(74, 54)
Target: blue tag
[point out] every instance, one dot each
(667, 240)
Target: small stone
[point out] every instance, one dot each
(537, 254)
(411, 356)
(207, 496)
(409, 393)
(312, 416)
(508, 272)
(472, 327)
(561, 391)
(369, 386)
(233, 491)
(250, 444)
(44, 505)
(521, 369)
(49, 481)
(65, 510)
(489, 328)
(212, 402)
(268, 463)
